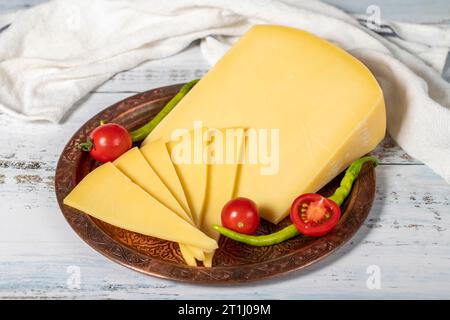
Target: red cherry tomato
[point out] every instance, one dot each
(107, 142)
(314, 215)
(241, 215)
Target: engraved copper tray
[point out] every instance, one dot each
(233, 262)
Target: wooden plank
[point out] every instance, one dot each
(406, 235)
(18, 4)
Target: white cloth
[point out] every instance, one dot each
(53, 54)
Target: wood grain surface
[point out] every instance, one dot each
(406, 237)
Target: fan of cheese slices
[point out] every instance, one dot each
(146, 191)
(326, 106)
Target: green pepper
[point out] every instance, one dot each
(144, 131)
(260, 241)
(350, 176)
(291, 231)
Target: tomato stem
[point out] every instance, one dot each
(86, 146)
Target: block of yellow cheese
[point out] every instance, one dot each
(133, 164)
(158, 157)
(187, 154)
(107, 194)
(321, 108)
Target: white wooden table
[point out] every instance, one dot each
(406, 237)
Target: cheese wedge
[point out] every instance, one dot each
(133, 164)
(107, 194)
(191, 168)
(323, 106)
(158, 158)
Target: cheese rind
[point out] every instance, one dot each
(327, 106)
(107, 194)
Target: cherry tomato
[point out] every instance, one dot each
(107, 142)
(314, 215)
(241, 215)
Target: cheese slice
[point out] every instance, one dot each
(224, 154)
(107, 194)
(322, 107)
(158, 157)
(221, 175)
(197, 253)
(188, 256)
(133, 164)
(187, 153)
(208, 261)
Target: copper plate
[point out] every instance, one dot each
(233, 262)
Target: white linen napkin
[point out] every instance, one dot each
(55, 53)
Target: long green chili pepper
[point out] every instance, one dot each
(291, 231)
(350, 176)
(265, 240)
(142, 132)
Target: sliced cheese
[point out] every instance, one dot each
(326, 105)
(198, 253)
(224, 154)
(187, 255)
(107, 194)
(133, 164)
(221, 175)
(207, 262)
(158, 157)
(187, 153)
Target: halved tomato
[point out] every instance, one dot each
(314, 215)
